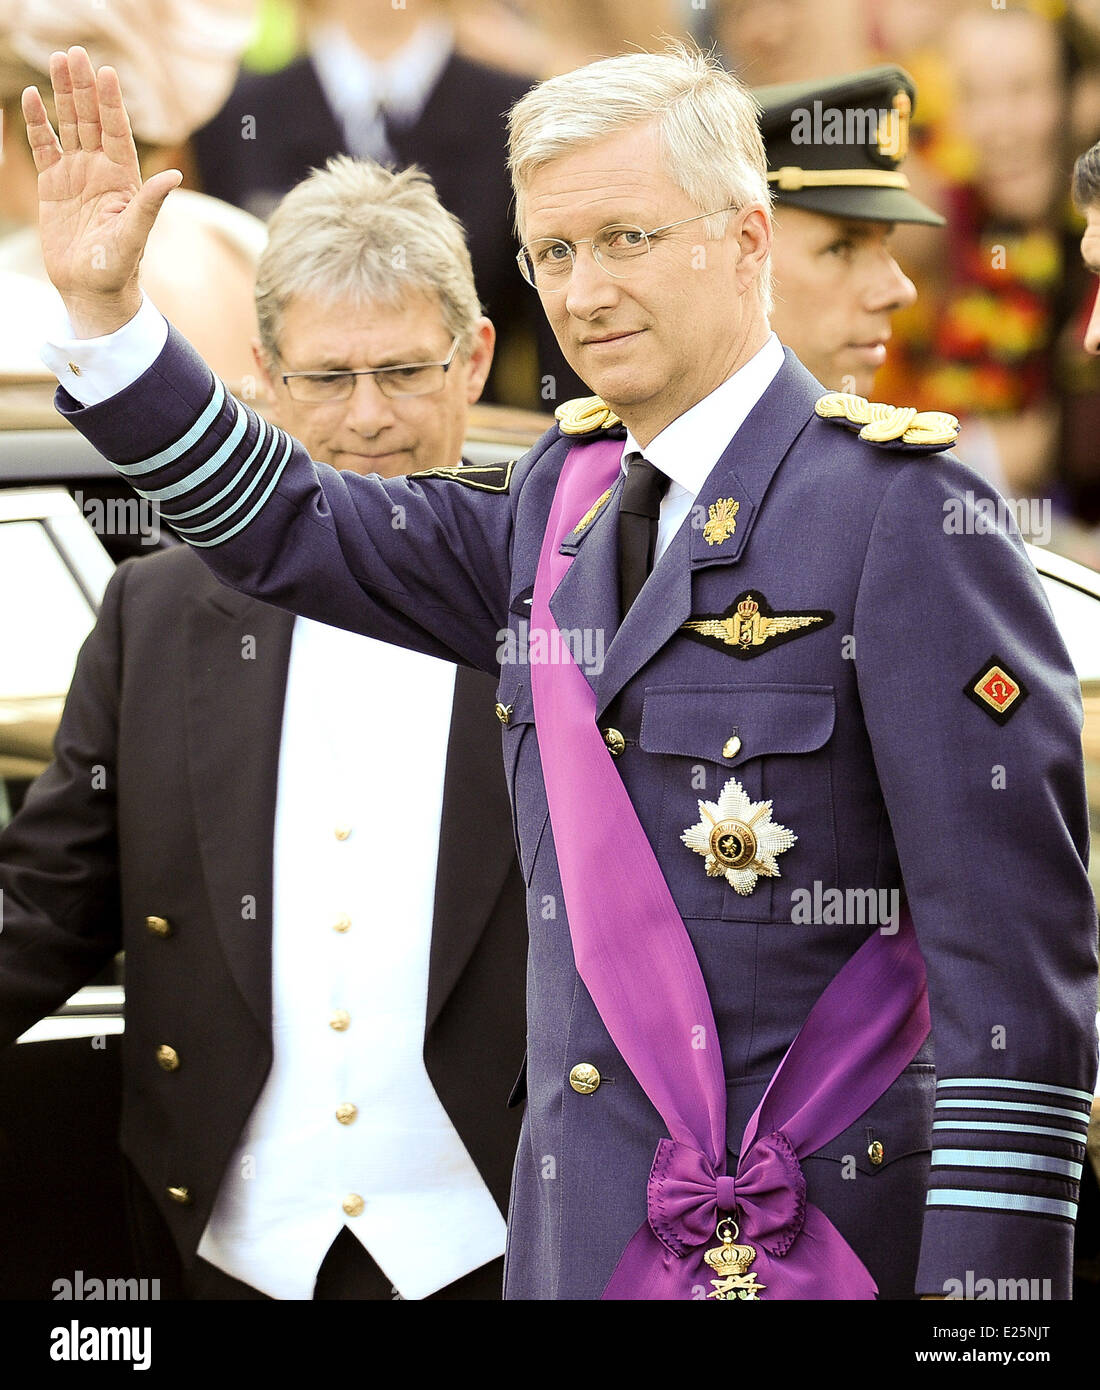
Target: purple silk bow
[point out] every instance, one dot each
(630, 935)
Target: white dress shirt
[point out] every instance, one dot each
(362, 91)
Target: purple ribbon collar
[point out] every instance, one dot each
(636, 959)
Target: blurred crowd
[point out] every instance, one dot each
(246, 96)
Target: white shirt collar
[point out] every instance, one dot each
(404, 81)
(687, 449)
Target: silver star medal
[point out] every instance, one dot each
(738, 838)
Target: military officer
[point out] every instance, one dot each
(835, 151)
(824, 700)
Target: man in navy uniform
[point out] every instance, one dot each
(835, 150)
(750, 683)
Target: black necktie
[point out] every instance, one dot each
(639, 510)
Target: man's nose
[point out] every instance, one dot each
(367, 410)
(890, 288)
(1092, 332)
(591, 289)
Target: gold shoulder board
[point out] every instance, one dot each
(585, 415)
(924, 431)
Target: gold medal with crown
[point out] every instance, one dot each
(730, 1262)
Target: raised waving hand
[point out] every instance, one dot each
(95, 214)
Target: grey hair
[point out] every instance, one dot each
(354, 232)
(1086, 179)
(707, 122)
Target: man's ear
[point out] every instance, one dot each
(755, 244)
(263, 371)
(480, 359)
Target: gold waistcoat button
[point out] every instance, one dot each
(347, 1112)
(353, 1204)
(158, 926)
(339, 1020)
(168, 1057)
(876, 1153)
(182, 1195)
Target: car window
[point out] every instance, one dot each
(45, 613)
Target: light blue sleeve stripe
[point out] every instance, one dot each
(209, 468)
(1014, 1086)
(222, 517)
(998, 1158)
(261, 438)
(1013, 1105)
(1000, 1201)
(962, 1125)
(185, 442)
(267, 493)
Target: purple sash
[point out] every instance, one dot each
(636, 959)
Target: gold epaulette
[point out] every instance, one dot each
(895, 425)
(585, 415)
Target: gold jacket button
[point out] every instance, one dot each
(615, 741)
(342, 923)
(731, 747)
(504, 712)
(353, 1204)
(342, 831)
(584, 1078)
(876, 1153)
(347, 1112)
(182, 1195)
(159, 926)
(168, 1057)
(339, 1020)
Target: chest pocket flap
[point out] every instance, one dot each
(749, 721)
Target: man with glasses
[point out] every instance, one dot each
(324, 1009)
(760, 709)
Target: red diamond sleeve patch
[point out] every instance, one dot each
(996, 690)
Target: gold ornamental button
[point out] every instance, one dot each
(731, 747)
(342, 831)
(347, 1113)
(339, 1020)
(353, 1204)
(584, 1078)
(615, 741)
(159, 926)
(504, 712)
(876, 1153)
(342, 923)
(181, 1195)
(168, 1057)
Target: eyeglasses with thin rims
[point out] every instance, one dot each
(405, 379)
(547, 263)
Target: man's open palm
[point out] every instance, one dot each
(95, 213)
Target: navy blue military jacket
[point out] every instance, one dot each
(879, 731)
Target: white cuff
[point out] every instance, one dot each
(94, 369)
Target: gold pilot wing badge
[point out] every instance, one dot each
(722, 520)
(749, 626)
(738, 838)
